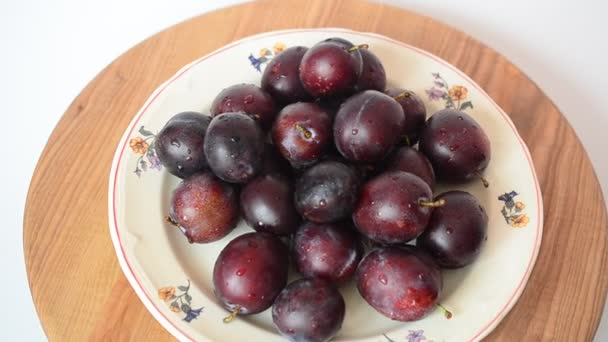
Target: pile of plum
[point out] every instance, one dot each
(321, 162)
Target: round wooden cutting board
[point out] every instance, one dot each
(77, 285)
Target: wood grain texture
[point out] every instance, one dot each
(77, 285)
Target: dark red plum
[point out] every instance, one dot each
(267, 204)
(410, 160)
(330, 68)
(249, 99)
(204, 208)
(367, 126)
(234, 147)
(328, 251)
(456, 231)
(373, 76)
(327, 192)
(179, 144)
(393, 207)
(403, 284)
(414, 111)
(302, 133)
(281, 78)
(309, 310)
(456, 145)
(250, 272)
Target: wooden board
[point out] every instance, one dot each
(78, 288)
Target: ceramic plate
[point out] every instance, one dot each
(174, 278)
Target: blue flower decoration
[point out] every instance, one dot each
(416, 336)
(508, 199)
(257, 62)
(192, 314)
(153, 160)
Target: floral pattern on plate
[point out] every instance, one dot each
(512, 210)
(412, 336)
(265, 55)
(180, 302)
(454, 97)
(143, 144)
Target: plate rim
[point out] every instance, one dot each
(168, 323)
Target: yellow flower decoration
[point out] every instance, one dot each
(264, 52)
(458, 93)
(520, 221)
(278, 48)
(175, 308)
(520, 205)
(138, 145)
(166, 293)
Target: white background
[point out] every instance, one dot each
(52, 49)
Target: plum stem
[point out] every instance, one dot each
(403, 95)
(305, 131)
(407, 140)
(438, 203)
(232, 315)
(445, 311)
(483, 180)
(174, 223)
(171, 221)
(388, 338)
(358, 47)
